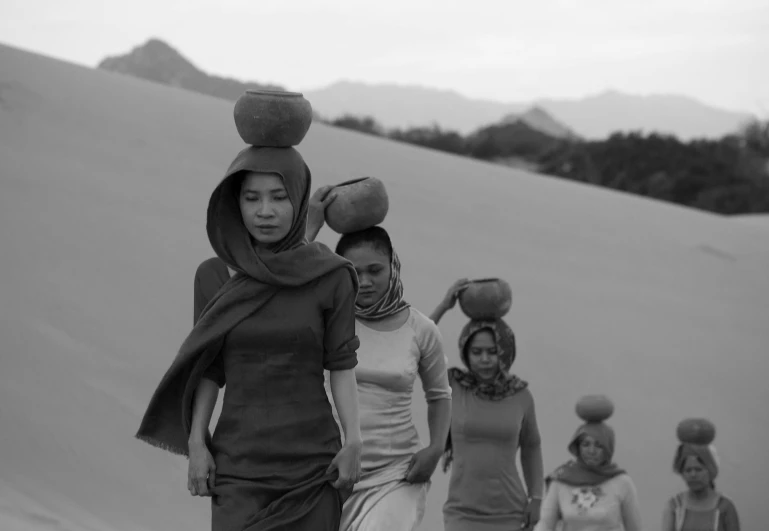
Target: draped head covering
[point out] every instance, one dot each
(260, 273)
(576, 472)
(392, 301)
(706, 453)
(502, 386)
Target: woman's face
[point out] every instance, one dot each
(373, 268)
(483, 355)
(265, 207)
(695, 474)
(591, 452)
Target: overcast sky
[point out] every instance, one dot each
(510, 50)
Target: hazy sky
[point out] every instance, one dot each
(509, 50)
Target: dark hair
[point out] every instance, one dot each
(375, 237)
(488, 329)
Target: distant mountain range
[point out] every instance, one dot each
(405, 106)
(157, 61)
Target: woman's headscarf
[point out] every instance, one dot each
(577, 473)
(261, 273)
(504, 385)
(706, 453)
(392, 301)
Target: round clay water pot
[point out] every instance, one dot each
(594, 408)
(696, 431)
(486, 298)
(272, 118)
(359, 204)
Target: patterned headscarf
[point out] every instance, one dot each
(705, 453)
(392, 301)
(504, 385)
(576, 472)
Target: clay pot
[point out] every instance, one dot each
(696, 431)
(272, 118)
(486, 299)
(359, 204)
(594, 408)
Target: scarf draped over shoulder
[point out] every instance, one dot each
(503, 386)
(260, 274)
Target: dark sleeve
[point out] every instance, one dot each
(208, 280)
(529, 436)
(730, 516)
(340, 343)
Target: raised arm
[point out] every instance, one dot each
(449, 300)
(316, 214)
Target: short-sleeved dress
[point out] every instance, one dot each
(389, 363)
(276, 435)
(485, 489)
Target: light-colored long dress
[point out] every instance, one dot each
(388, 364)
(485, 491)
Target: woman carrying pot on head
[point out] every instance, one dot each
(213, 273)
(701, 507)
(591, 492)
(493, 416)
(276, 460)
(397, 344)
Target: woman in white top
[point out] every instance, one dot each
(397, 344)
(591, 493)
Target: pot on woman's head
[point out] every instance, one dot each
(269, 118)
(359, 204)
(486, 299)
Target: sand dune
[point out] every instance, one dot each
(105, 181)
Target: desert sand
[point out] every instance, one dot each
(104, 185)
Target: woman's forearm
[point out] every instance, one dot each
(312, 230)
(438, 313)
(533, 470)
(344, 389)
(439, 422)
(202, 410)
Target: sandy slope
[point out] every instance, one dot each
(754, 220)
(104, 185)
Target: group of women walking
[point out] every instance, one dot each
(318, 352)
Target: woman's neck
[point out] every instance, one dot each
(389, 323)
(702, 496)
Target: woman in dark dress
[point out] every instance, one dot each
(275, 461)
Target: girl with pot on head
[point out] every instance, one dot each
(701, 507)
(590, 492)
(493, 416)
(397, 344)
(276, 460)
